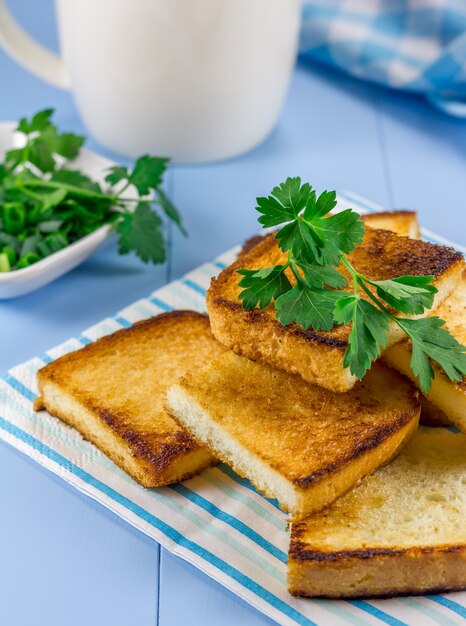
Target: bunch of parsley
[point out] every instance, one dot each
(45, 205)
(316, 244)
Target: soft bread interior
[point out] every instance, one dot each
(71, 411)
(296, 442)
(199, 423)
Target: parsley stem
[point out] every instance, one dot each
(50, 184)
(360, 280)
(138, 200)
(31, 194)
(354, 273)
(296, 274)
(124, 188)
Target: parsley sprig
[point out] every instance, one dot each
(45, 205)
(307, 288)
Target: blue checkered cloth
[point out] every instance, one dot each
(412, 45)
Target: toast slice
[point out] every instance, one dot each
(112, 391)
(446, 396)
(294, 441)
(403, 223)
(318, 355)
(401, 531)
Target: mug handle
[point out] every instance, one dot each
(40, 61)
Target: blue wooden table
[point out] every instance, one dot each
(65, 560)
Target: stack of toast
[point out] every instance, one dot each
(377, 506)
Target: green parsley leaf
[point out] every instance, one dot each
(147, 173)
(430, 340)
(116, 174)
(308, 307)
(141, 232)
(67, 145)
(369, 332)
(314, 235)
(76, 179)
(339, 233)
(285, 202)
(41, 155)
(260, 287)
(408, 294)
(320, 275)
(299, 238)
(170, 210)
(39, 122)
(319, 207)
(13, 158)
(43, 142)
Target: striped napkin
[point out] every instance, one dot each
(216, 521)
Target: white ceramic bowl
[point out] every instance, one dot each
(18, 282)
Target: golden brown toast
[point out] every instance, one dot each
(113, 391)
(401, 531)
(446, 396)
(296, 442)
(318, 355)
(403, 223)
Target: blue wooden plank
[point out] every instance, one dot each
(186, 597)
(425, 157)
(66, 560)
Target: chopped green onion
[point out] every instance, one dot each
(10, 254)
(27, 260)
(4, 262)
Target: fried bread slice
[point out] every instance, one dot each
(401, 531)
(403, 223)
(318, 355)
(446, 396)
(296, 442)
(112, 391)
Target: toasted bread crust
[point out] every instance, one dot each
(88, 390)
(376, 572)
(318, 355)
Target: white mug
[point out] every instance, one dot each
(194, 80)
